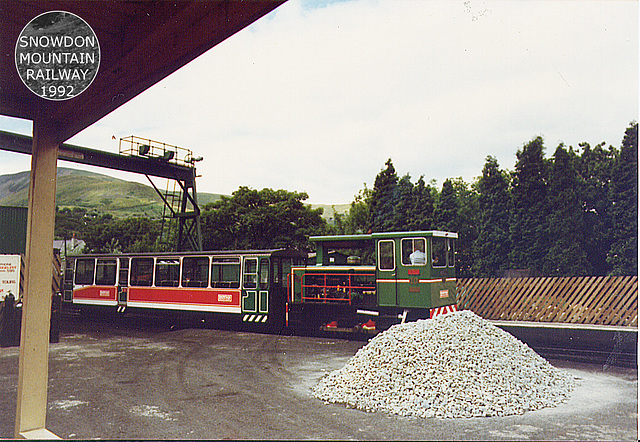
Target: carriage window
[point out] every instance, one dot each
(386, 255)
(439, 252)
(84, 271)
(413, 251)
(195, 271)
(141, 271)
(167, 272)
(225, 272)
(123, 276)
(106, 272)
(250, 273)
(264, 273)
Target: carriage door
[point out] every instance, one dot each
(68, 283)
(255, 293)
(263, 294)
(386, 273)
(123, 280)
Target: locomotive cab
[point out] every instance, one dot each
(393, 276)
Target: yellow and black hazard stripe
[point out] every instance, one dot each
(255, 318)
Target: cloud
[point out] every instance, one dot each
(316, 97)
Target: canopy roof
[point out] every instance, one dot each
(141, 42)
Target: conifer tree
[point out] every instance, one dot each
(623, 255)
(424, 206)
(492, 245)
(529, 220)
(595, 168)
(464, 224)
(447, 207)
(404, 208)
(566, 255)
(383, 199)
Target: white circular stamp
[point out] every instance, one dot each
(57, 55)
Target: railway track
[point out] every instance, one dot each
(602, 345)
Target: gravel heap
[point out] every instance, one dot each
(455, 365)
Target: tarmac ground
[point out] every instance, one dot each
(153, 381)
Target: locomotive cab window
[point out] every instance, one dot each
(386, 255)
(167, 272)
(142, 272)
(225, 272)
(442, 252)
(439, 252)
(195, 271)
(84, 271)
(451, 253)
(414, 251)
(106, 272)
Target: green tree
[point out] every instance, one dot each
(358, 218)
(424, 197)
(405, 206)
(103, 234)
(260, 219)
(69, 222)
(446, 212)
(528, 231)
(623, 256)
(383, 199)
(595, 169)
(566, 255)
(492, 245)
(466, 227)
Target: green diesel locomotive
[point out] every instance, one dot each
(382, 279)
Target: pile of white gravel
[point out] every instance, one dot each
(455, 365)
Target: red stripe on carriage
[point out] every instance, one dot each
(185, 296)
(103, 293)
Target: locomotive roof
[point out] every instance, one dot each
(345, 240)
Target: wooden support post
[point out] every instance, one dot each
(36, 308)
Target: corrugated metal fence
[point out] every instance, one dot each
(611, 300)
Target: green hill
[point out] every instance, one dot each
(106, 194)
(93, 191)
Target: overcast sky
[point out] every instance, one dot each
(316, 96)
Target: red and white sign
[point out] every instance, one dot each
(10, 275)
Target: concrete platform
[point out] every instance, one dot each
(601, 344)
(147, 381)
